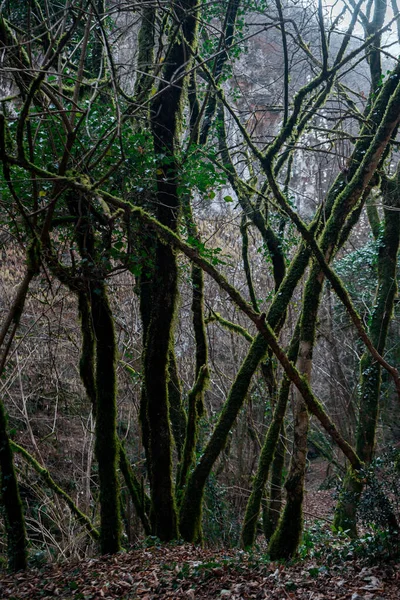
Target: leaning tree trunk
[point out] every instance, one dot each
(285, 291)
(190, 511)
(370, 371)
(370, 377)
(368, 153)
(191, 508)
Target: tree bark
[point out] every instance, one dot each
(370, 370)
(14, 516)
(166, 112)
(106, 445)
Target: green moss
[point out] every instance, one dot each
(287, 536)
(216, 317)
(344, 519)
(373, 216)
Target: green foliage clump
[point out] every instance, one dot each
(330, 548)
(358, 269)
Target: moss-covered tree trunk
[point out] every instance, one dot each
(98, 370)
(272, 505)
(12, 505)
(370, 150)
(145, 296)
(191, 508)
(190, 512)
(87, 369)
(176, 409)
(140, 500)
(163, 512)
(166, 113)
(370, 371)
(286, 538)
(49, 481)
(193, 414)
(106, 445)
(226, 40)
(195, 401)
(273, 508)
(142, 91)
(145, 61)
(249, 527)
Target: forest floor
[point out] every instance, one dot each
(184, 571)
(328, 568)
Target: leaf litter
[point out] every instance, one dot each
(188, 572)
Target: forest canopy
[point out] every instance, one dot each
(199, 226)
